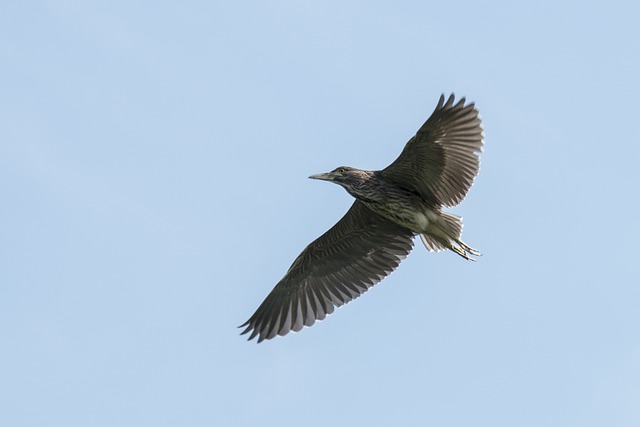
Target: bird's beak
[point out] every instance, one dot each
(322, 176)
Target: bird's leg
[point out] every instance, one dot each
(447, 230)
(464, 250)
(461, 252)
(468, 248)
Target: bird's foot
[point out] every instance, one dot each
(465, 251)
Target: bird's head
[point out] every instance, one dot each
(350, 178)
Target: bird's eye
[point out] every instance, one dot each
(341, 170)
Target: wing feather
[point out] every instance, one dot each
(441, 161)
(339, 266)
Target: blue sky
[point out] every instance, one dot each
(153, 174)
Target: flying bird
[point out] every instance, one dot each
(435, 169)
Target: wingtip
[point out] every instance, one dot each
(450, 101)
(248, 329)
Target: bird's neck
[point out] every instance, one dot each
(370, 189)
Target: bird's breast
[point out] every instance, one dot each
(415, 217)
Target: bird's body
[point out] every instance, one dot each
(436, 169)
(385, 198)
(389, 200)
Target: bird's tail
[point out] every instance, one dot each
(446, 233)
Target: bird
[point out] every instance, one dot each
(436, 169)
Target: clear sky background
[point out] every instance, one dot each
(153, 183)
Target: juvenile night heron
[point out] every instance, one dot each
(436, 169)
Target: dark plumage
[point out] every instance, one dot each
(436, 169)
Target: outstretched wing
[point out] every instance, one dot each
(339, 266)
(442, 159)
